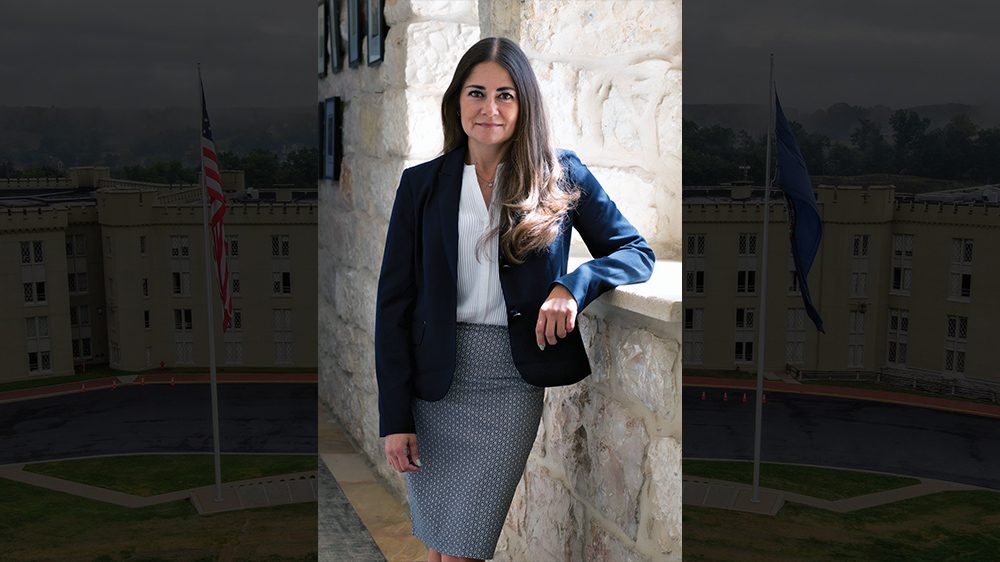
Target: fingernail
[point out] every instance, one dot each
(541, 347)
(418, 463)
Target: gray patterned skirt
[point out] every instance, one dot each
(473, 445)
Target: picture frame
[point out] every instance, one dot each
(333, 25)
(376, 27)
(332, 149)
(322, 33)
(354, 28)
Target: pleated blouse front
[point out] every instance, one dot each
(480, 298)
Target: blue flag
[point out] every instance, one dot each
(804, 224)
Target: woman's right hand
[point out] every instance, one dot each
(401, 451)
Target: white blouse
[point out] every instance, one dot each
(480, 299)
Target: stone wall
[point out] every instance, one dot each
(603, 481)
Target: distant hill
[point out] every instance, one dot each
(836, 121)
(62, 137)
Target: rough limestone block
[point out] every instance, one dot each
(413, 125)
(603, 545)
(433, 49)
(557, 80)
(668, 116)
(553, 518)
(630, 98)
(370, 124)
(665, 497)
(634, 192)
(625, 27)
(600, 445)
(641, 367)
(398, 11)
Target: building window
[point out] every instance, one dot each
(107, 246)
(694, 282)
(237, 320)
(142, 245)
(282, 321)
(746, 281)
(859, 245)
(956, 336)
(793, 281)
(34, 292)
(279, 246)
(32, 252)
(145, 319)
(899, 327)
(795, 335)
(694, 245)
(76, 245)
(746, 244)
(744, 317)
(960, 279)
(145, 286)
(181, 282)
(39, 361)
(902, 263)
(77, 282)
(182, 320)
(179, 247)
(744, 351)
(281, 283)
(36, 327)
(81, 348)
(234, 245)
(235, 278)
(856, 339)
(79, 315)
(694, 336)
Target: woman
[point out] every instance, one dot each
(475, 312)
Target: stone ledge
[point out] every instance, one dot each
(659, 298)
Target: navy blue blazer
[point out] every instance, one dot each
(416, 300)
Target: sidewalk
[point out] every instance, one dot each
(112, 383)
(723, 494)
(365, 497)
(906, 399)
(270, 491)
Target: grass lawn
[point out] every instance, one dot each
(938, 527)
(824, 483)
(149, 475)
(40, 524)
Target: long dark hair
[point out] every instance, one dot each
(531, 192)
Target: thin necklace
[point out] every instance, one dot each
(489, 183)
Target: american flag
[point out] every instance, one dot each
(217, 206)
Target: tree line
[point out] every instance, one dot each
(263, 168)
(959, 150)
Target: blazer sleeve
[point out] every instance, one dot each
(621, 255)
(393, 306)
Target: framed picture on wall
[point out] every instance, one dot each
(331, 148)
(376, 31)
(333, 27)
(354, 33)
(323, 25)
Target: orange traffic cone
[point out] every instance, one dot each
(83, 387)
(142, 381)
(763, 398)
(725, 397)
(171, 381)
(703, 396)
(744, 400)
(114, 384)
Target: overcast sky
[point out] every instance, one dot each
(142, 53)
(864, 52)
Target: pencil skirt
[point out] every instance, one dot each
(473, 445)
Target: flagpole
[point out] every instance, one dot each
(762, 312)
(210, 325)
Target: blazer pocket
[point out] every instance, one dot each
(417, 332)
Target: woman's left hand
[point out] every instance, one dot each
(556, 318)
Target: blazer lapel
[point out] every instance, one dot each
(450, 189)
